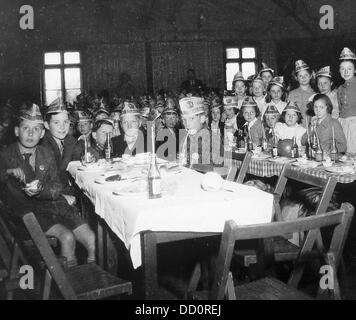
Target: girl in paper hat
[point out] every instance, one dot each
(347, 98)
(325, 83)
(304, 75)
(290, 126)
(325, 125)
(240, 88)
(277, 94)
(258, 91)
(266, 74)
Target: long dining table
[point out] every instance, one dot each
(184, 211)
(266, 168)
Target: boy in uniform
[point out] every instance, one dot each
(26, 162)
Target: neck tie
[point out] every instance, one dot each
(27, 157)
(61, 146)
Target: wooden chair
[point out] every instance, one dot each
(238, 175)
(231, 173)
(85, 282)
(283, 249)
(271, 288)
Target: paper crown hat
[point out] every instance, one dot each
(171, 103)
(145, 111)
(82, 116)
(257, 79)
(292, 106)
(191, 106)
(324, 72)
(101, 109)
(300, 65)
(265, 68)
(169, 109)
(129, 108)
(72, 118)
(272, 110)
(160, 103)
(238, 77)
(32, 113)
(249, 102)
(56, 106)
(347, 54)
(216, 103)
(278, 81)
(230, 102)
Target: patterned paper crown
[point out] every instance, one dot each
(300, 65)
(129, 109)
(249, 102)
(278, 81)
(347, 54)
(56, 106)
(265, 68)
(191, 106)
(82, 116)
(292, 106)
(238, 77)
(271, 109)
(32, 114)
(101, 109)
(169, 109)
(230, 102)
(324, 72)
(258, 79)
(216, 103)
(145, 111)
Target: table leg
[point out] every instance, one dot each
(101, 245)
(149, 264)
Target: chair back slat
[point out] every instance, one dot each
(246, 160)
(339, 218)
(48, 256)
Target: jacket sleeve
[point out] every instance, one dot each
(78, 151)
(340, 138)
(3, 167)
(52, 187)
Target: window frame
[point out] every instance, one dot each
(240, 60)
(62, 66)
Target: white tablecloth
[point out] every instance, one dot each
(190, 208)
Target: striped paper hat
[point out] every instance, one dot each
(32, 113)
(347, 54)
(56, 106)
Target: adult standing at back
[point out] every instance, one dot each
(347, 98)
(192, 84)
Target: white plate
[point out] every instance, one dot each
(340, 169)
(93, 168)
(282, 160)
(307, 165)
(261, 156)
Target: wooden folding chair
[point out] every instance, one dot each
(238, 175)
(271, 288)
(283, 249)
(85, 282)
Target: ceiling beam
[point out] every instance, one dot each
(291, 11)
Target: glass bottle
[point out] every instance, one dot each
(295, 150)
(319, 154)
(264, 143)
(333, 152)
(314, 143)
(274, 145)
(108, 147)
(249, 142)
(154, 179)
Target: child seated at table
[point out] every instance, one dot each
(325, 124)
(133, 139)
(25, 161)
(289, 126)
(253, 126)
(276, 94)
(57, 140)
(270, 119)
(195, 142)
(97, 141)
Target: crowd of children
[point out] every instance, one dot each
(196, 128)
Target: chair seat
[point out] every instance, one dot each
(269, 289)
(89, 282)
